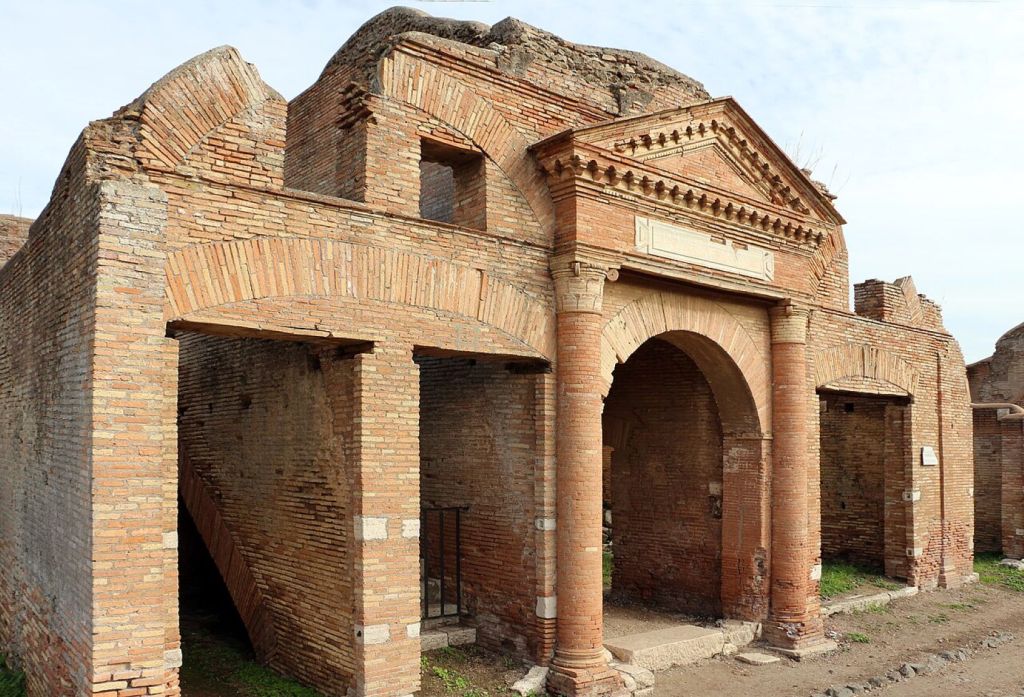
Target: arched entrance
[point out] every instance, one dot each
(685, 482)
(866, 462)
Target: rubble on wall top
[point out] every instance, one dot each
(630, 77)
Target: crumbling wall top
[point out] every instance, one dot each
(1000, 377)
(625, 82)
(13, 233)
(897, 302)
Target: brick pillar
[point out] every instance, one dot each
(579, 667)
(795, 617)
(386, 509)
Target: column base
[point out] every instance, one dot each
(597, 679)
(796, 636)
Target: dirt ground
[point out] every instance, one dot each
(890, 636)
(886, 638)
(872, 643)
(467, 671)
(624, 618)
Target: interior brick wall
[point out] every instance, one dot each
(477, 447)
(863, 456)
(258, 424)
(998, 449)
(666, 470)
(988, 482)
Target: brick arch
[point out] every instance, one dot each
(205, 276)
(732, 363)
(863, 361)
(405, 78)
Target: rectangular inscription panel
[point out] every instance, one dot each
(674, 242)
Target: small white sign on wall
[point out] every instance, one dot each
(928, 456)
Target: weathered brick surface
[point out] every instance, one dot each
(478, 426)
(662, 422)
(212, 212)
(864, 457)
(46, 294)
(13, 233)
(999, 447)
(260, 428)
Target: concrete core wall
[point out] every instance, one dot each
(265, 426)
(477, 449)
(662, 423)
(863, 452)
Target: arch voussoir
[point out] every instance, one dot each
(864, 361)
(206, 276)
(659, 314)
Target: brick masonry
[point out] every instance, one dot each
(661, 421)
(865, 455)
(213, 247)
(999, 448)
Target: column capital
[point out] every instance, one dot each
(789, 323)
(579, 283)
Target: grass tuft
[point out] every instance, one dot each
(838, 577)
(991, 573)
(858, 637)
(212, 660)
(12, 682)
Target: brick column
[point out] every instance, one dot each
(579, 667)
(386, 522)
(795, 617)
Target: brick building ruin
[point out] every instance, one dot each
(454, 277)
(997, 389)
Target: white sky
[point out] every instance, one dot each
(913, 112)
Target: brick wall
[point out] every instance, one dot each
(864, 452)
(477, 447)
(13, 233)
(988, 482)
(47, 321)
(257, 423)
(998, 449)
(666, 469)
(927, 364)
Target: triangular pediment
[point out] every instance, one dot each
(715, 144)
(709, 163)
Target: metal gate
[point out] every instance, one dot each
(441, 561)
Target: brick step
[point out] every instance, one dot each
(238, 578)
